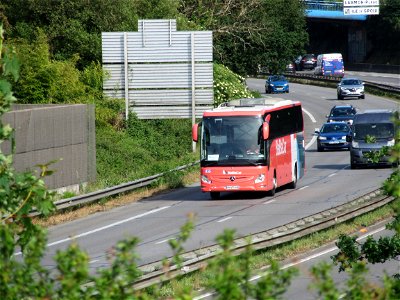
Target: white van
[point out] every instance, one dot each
(330, 64)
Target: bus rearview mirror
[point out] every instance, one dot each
(195, 132)
(265, 130)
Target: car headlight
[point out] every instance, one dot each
(260, 178)
(205, 179)
(355, 144)
(322, 138)
(343, 137)
(285, 84)
(390, 143)
(271, 84)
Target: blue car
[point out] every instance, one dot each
(276, 84)
(333, 136)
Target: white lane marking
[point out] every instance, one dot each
(204, 296)
(333, 174)
(94, 261)
(314, 138)
(109, 226)
(304, 187)
(310, 116)
(104, 227)
(163, 241)
(223, 220)
(269, 201)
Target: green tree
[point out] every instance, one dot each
(19, 194)
(233, 276)
(251, 33)
(74, 26)
(383, 32)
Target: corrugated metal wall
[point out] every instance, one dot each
(44, 133)
(166, 70)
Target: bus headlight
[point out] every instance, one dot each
(205, 179)
(260, 178)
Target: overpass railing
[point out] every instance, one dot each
(323, 5)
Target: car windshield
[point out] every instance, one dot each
(278, 78)
(342, 112)
(379, 130)
(351, 82)
(333, 128)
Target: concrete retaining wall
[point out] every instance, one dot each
(61, 133)
(363, 67)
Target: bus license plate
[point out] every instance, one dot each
(232, 187)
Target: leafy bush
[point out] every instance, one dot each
(43, 80)
(228, 85)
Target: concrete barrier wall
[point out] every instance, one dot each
(363, 67)
(61, 133)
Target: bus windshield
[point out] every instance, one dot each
(232, 140)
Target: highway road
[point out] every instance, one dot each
(328, 182)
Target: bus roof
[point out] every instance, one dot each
(250, 107)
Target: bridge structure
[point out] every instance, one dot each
(323, 9)
(332, 31)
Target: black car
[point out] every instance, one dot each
(342, 113)
(308, 61)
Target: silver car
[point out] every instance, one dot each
(350, 87)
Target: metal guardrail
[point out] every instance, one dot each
(381, 87)
(197, 259)
(111, 191)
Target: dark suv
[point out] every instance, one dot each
(342, 113)
(308, 61)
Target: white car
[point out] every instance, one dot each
(350, 87)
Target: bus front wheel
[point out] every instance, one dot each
(215, 195)
(293, 184)
(271, 192)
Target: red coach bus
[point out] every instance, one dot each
(251, 145)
